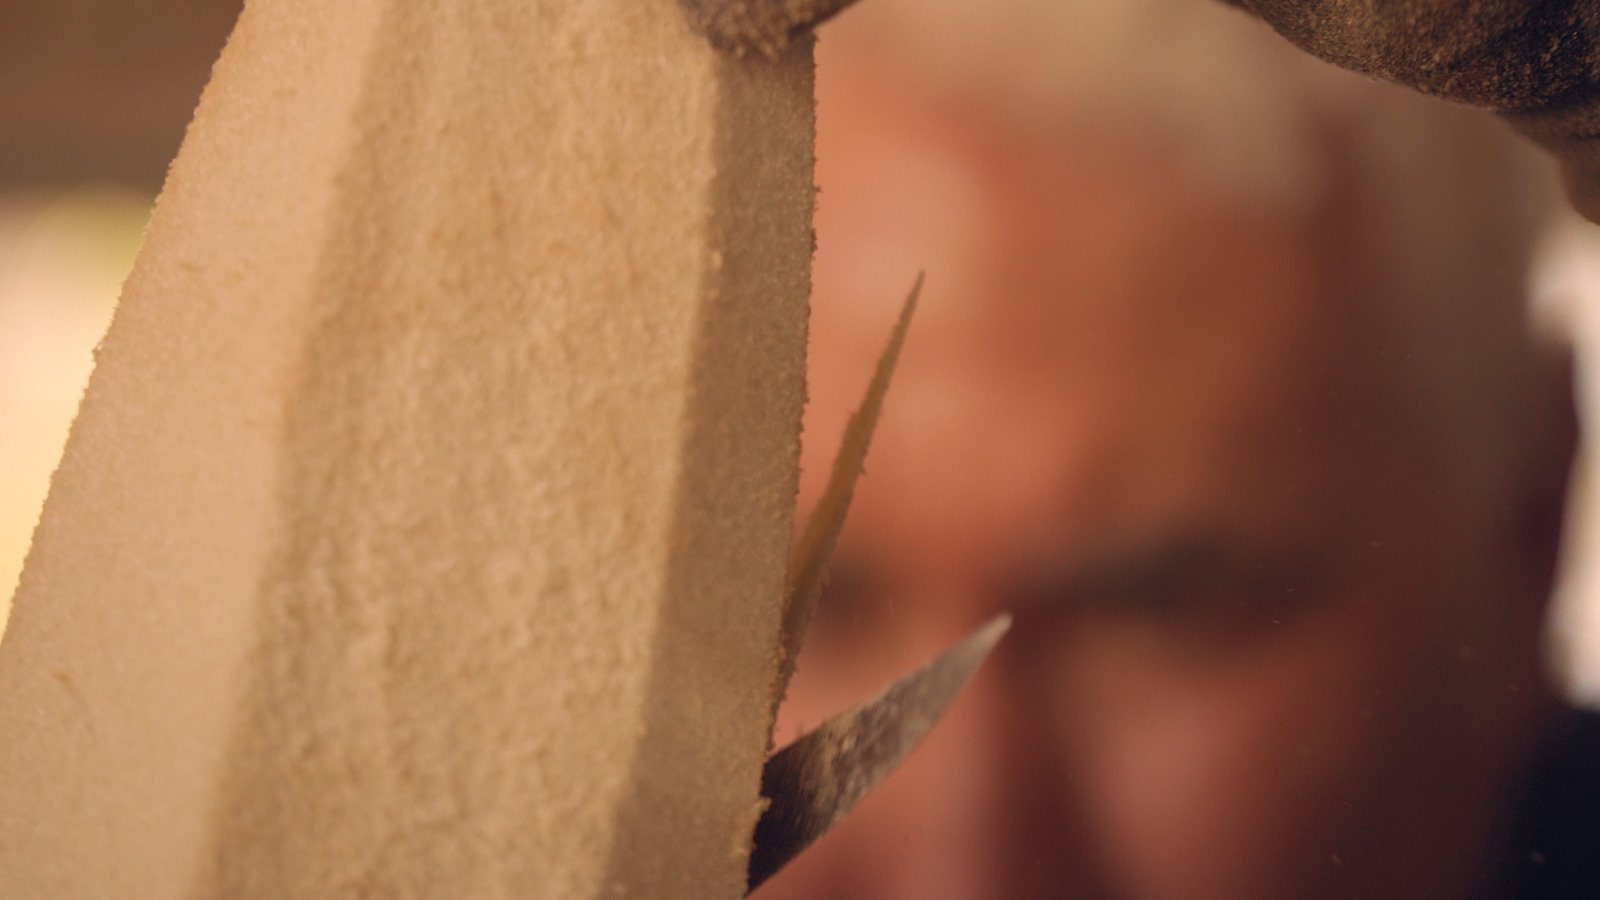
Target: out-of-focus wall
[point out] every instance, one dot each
(94, 97)
(101, 89)
(63, 256)
(1566, 303)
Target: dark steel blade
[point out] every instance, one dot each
(812, 783)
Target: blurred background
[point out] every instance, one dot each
(1194, 305)
(94, 97)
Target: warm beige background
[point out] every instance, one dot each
(62, 258)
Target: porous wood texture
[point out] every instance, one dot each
(1536, 63)
(423, 529)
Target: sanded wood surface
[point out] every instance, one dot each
(423, 530)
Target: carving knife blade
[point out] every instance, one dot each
(812, 783)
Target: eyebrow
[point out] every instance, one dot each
(1186, 573)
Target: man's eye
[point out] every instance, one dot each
(852, 604)
(842, 593)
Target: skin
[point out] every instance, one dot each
(1266, 644)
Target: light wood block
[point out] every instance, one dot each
(423, 529)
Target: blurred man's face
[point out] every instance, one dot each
(1261, 648)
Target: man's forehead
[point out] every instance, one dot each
(1098, 337)
(974, 458)
(1045, 238)
(1226, 341)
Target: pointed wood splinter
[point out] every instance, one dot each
(808, 563)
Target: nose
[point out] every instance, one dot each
(941, 841)
(983, 810)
